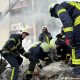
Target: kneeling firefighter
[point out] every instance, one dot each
(63, 50)
(37, 52)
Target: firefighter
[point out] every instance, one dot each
(45, 36)
(63, 50)
(37, 52)
(69, 14)
(12, 50)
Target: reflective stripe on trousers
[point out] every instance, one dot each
(74, 60)
(14, 64)
(12, 74)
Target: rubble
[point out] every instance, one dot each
(23, 68)
(55, 71)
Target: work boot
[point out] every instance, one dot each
(28, 76)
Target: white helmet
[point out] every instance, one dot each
(52, 43)
(44, 27)
(45, 47)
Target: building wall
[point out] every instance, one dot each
(4, 23)
(3, 4)
(35, 15)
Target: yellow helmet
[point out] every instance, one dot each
(52, 43)
(45, 47)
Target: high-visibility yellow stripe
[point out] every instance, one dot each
(46, 58)
(34, 45)
(77, 5)
(68, 29)
(39, 41)
(78, 18)
(19, 42)
(14, 47)
(47, 38)
(12, 39)
(29, 72)
(77, 21)
(12, 74)
(67, 55)
(5, 51)
(74, 60)
(73, 53)
(38, 63)
(72, 3)
(61, 11)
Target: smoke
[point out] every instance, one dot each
(38, 15)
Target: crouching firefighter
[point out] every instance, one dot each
(63, 50)
(12, 50)
(37, 52)
(69, 14)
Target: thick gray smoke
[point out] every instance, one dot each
(38, 14)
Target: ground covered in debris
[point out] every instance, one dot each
(54, 71)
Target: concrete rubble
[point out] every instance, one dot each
(54, 71)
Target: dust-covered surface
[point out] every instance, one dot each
(56, 71)
(22, 70)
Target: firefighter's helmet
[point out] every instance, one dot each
(24, 30)
(45, 47)
(52, 9)
(52, 44)
(44, 27)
